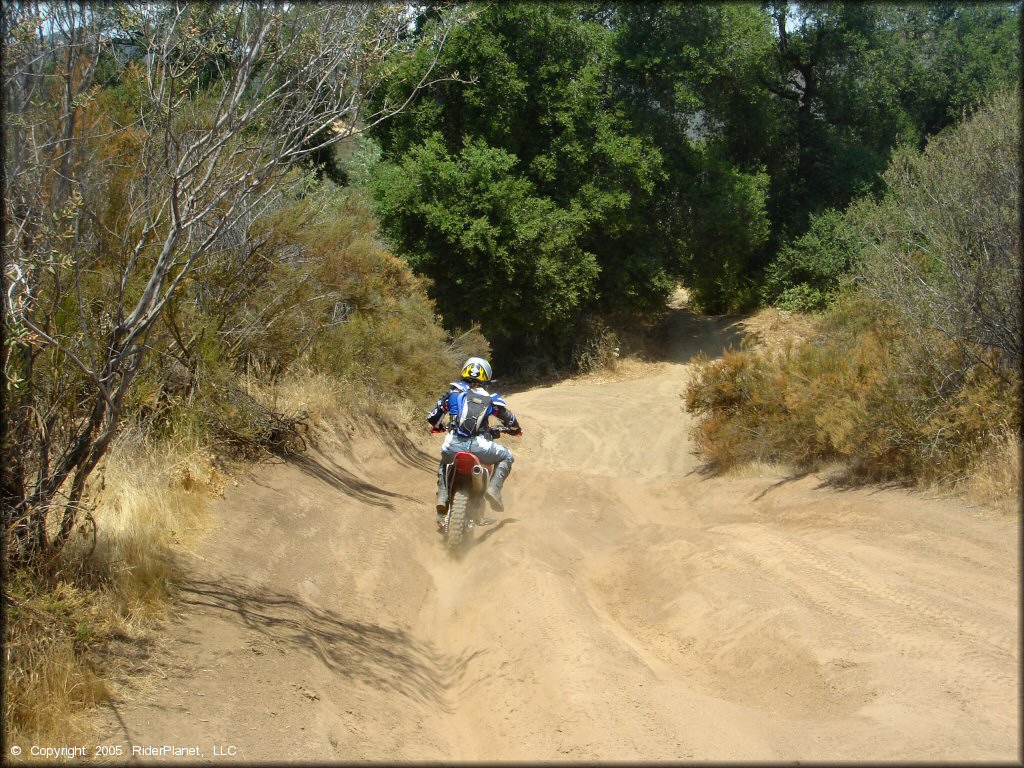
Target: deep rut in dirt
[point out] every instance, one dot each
(626, 606)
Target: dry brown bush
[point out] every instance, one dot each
(842, 395)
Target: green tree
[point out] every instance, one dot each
(687, 77)
(503, 256)
(547, 193)
(860, 78)
(691, 141)
(809, 271)
(941, 59)
(856, 80)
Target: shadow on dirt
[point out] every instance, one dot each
(835, 479)
(707, 470)
(328, 471)
(494, 529)
(684, 334)
(845, 479)
(386, 659)
(789, 478)
(404, 450)
(677, 335)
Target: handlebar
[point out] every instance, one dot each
(494, 432)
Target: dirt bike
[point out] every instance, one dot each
(467, 480)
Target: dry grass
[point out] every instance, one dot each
(772, 329)
(759, 468)
(333, 406)
(149, 502)
(995, 479)
(50, 688)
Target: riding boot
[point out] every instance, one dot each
(501, 471)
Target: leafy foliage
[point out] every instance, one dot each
(914, 373)
(943, 247)
(503, 256)
(688, 77)
(855, 80)
(517, 191)
(807, 274)
(674, 142)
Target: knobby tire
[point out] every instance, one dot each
(457, 518)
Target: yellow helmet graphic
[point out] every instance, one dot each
(476, 369)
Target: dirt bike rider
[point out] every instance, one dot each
(469, 406)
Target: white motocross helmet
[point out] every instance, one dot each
(476, 369)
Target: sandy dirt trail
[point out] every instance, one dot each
(627, 606)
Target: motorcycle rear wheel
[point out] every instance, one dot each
(458, 516)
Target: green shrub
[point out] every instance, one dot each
(942, 249)
(807, 273)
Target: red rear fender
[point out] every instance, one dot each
(464, 463)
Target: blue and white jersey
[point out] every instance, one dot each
(453, 403)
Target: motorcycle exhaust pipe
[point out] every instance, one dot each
(479, 478)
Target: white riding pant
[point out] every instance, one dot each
(481, 446)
